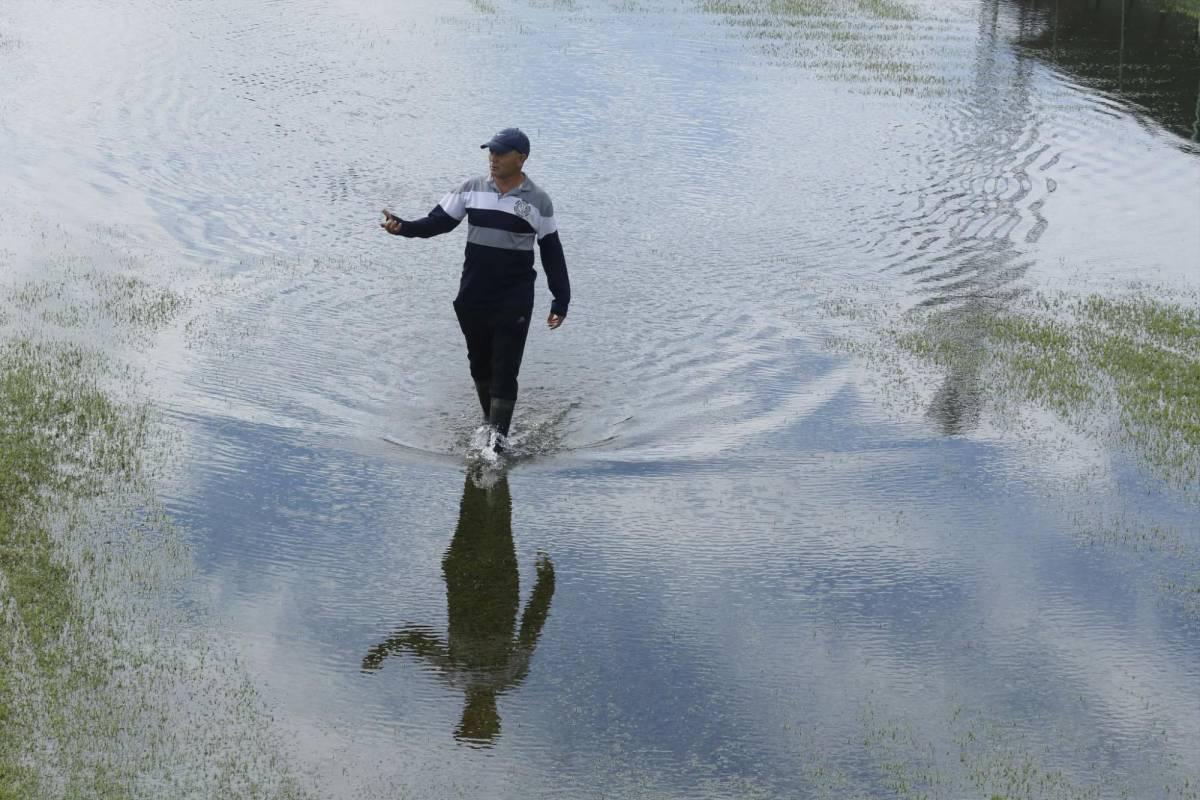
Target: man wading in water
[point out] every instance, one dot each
(505, 212)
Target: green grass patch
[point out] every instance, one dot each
(1052, 372)
(1189, 7)
(1083, 357)
(107, 691)
(868, 43)
(61, 438)
(1140, 352)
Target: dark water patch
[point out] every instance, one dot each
(1143, 54)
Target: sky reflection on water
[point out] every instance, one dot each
(707, 626)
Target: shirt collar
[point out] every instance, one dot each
(525, 187)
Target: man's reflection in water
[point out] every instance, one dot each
(484, 653)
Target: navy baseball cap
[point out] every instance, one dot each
(508, 140)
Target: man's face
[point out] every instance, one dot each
(505, 166)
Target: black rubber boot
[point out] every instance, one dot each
(484, 390)
(500, 414)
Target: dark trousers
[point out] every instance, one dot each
(495, 345)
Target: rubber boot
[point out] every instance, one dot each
(500, 417)
(484, 390)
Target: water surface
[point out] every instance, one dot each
(727, 565)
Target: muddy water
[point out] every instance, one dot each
(726, 563)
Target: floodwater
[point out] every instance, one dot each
(723, 563)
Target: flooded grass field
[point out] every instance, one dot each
(865, 465)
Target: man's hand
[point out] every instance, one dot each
(393, 223)
(554, 320)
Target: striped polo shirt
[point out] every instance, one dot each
(501, 230)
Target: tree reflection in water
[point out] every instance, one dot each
(484, 652)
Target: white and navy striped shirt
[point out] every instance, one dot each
(501, 229)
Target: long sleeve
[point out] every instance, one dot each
(554, 264)
(435, 224)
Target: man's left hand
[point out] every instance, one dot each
(554, 320)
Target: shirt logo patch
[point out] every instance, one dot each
(524, 210)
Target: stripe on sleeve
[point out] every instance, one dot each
(454, 204)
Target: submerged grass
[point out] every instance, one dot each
(80, 296)
(873, 44)
(879, 9)
(106, 691)
(60, 439)
(1121, 372)
(1138, 356)
(1189, 7)
(982, 758)
(970, 754)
